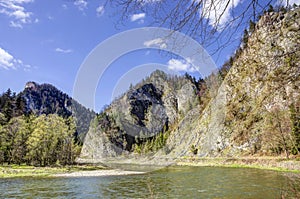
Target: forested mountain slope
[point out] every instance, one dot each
(41, 99)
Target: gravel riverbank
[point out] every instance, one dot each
(113, 172)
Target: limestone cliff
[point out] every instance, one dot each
(254, 111)
(151, 107)
(255, 101)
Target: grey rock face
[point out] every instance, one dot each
(265, 75)
(98, 146)
(141, 113)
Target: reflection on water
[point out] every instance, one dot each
(174, 182)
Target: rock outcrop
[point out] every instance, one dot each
(263, 81)
(260, 91)
(149, 108)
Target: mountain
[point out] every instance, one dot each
(253, 109)
(151, 107)
(256, 110)
(46, 99)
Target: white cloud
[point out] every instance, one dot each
(63, 50)
(139, 17)
(64, 6)
(291, 2)
(100, 11)
(27, 68)
(143, 2)
(7, 61)
(181, 65)
(218, 12)
(158, 42)
(81, 4)
(152, 1)
(20, 1)
(15, 25)
(15, 9)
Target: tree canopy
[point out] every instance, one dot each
(41, 141)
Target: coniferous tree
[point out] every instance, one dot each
(251, 26)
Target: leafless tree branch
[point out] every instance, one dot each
(211, 22)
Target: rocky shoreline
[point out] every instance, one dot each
(113, 172)
(264, 162)
(270, 163)
(141, 165)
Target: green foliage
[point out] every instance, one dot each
(225, 68)
(251, 26)
(271, 8)
(45, 99)
(194, 150)
(52, 141)
(12, 140)
(21, 134)
(2, 119)
(151, 144)
(7, 105)
(40, 141)
(295, 120)
(278, 132)
(245, 38)
(110, 124)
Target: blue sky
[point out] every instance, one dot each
(47, 41)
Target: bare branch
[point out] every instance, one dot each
(213, 23)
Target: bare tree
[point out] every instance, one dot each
(278, 131)
(211, 22)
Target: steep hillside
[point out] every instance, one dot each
(255, 110)
(147, 110)
(46, 99)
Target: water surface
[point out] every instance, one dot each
(173, 182)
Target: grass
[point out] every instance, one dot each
(267, 163)
(12, 171)
(261, 167)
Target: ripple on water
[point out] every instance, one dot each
(174, 182)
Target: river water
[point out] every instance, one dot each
(173, 182)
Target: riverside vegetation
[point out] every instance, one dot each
(41, 126)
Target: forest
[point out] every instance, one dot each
(38, 130)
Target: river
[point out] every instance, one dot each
(173, 182)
